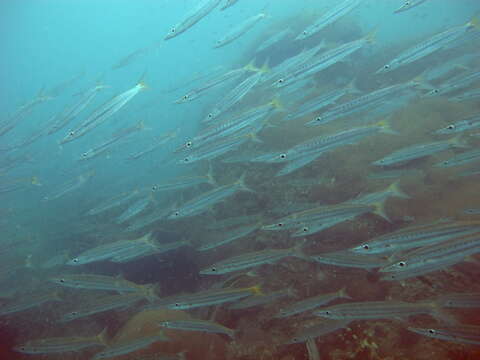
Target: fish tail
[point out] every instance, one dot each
(241, 183)
(35, 181)
(232, 333)
(342, 293)
(352, 88)
(380, 210)
(251, 66)
(475, 22)
(277, 104)
(396, 191)
(256, 290)
(386, 127)
(211, 179)
(458, 142)
(371, 36)
(102, 337)
(442, 315)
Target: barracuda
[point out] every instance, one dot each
(416, 236)
(322, 61)
(461, 159)
(206, 298)
(363, 103)
(329, 17)
(376, 310)
(463, 334)
(234, 96)
(102, 304)
(469, 123)
(418, 151)
(252, 259)
(239, 30)
(127, 347)
(198, 325)
(103, 113)
(230, 236)
(195, 15)
(429, 46)
(311, 303)
(62, 344)
(204, 201)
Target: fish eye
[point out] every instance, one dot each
(327, 312)
(280, 81)
(402, 264)
(185, 97)
(214, 269)
(318, 118)
(185, 160)
(451, 127)
(173, 30)
(177, 213)
(283, 156)
(280, 224)
(62, 280)
(84, 154)
(71, 133)
(431, 331)
(177, 304)
(210, 115)
(75, 260)
(188, 144)
(154, 187)
(366, 247)
(407, 3)
(445, 162)
(305, 229)
(386, 66)
(73, 313)
(435, 91)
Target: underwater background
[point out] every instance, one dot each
(248, 155)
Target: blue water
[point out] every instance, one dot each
(60, 49)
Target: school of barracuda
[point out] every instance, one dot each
(247, 208)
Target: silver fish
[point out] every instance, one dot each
(239, 30)
(203, 8)
(329, 17)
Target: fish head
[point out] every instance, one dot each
(385, 68)
(400, 265)
(59, 280)
(171, 33)
(449, 129)
(406, 5)
(381, 162)
(218, 43)
(187, 97)
(70, 136)
(210, 270)
(85, 155)
(318, 120)
(326, 313)
(442, 164)
(303, 35)
(74, 261)
(174, 215)
(433, 92)
(279, 225)
(280, 82)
